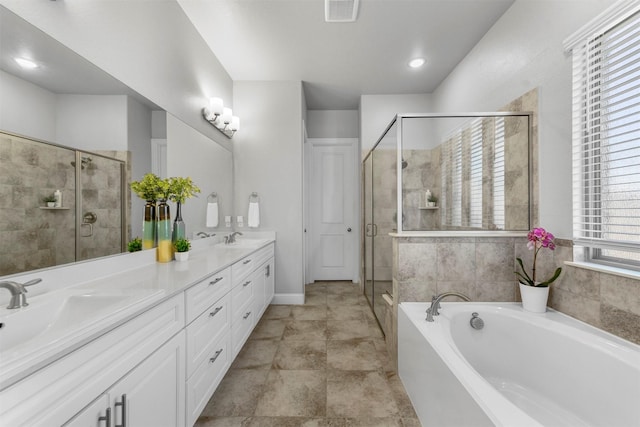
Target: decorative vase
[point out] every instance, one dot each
(164, 251)
(149, 226)
(51, 204)
(182, 256)
(179, 229)
(534, 298)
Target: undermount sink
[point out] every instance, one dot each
(48, 319)
(245, 243)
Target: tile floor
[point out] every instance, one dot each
(315, 365)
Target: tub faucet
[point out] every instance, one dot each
(435, 303)
(18, 292)
(231, 238)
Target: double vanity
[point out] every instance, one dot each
(132, 342)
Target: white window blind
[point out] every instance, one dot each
(475, 175)
(606, 142)
(498, 175)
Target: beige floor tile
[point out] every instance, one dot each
(293, 394)
(306, 330)
(256, 354)
(301, 355)
(220, 422)
(373, 422)
(359, 394)
(347, 329)
(238, 393)
(315, 298)
(352, 355)
(400, 395)
(292, 422)
(269, 329)
(346, 312)
(309, 312)
(277, 312)
(344, 299)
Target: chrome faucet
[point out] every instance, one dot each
(18, 292)
(203, 234)
(435, 303)
(231, 238)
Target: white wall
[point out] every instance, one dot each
(523, 50)
(92, 122)
(139, 144)
(377, 111)
(27, 109)
(150, 46)
(209, 165)
(268, 160)
(333, 124)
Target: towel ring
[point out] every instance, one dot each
(254, 197)
(212, 198)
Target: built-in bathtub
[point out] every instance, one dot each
(520, 369)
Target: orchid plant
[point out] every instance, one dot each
(538, 238)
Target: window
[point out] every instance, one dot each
(606, 140)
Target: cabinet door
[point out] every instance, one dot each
(258, 278)
(270, 282)
(153, 393)
(97, 414)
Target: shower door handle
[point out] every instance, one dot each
(90, 229)
(89, 219)
(372, 230)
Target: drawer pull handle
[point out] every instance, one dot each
(215, 356)
(214, 312)
(247, 283)
(216, 280)
(124, 411)
(106, 418)
(246, 315)
(246, 262)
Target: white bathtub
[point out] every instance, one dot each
(521, 369)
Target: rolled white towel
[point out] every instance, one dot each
(212, 214)
(253, 217)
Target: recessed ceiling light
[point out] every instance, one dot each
(416, 63)
(26, 63)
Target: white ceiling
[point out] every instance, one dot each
(338, 62)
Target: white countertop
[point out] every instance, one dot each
(129, 289)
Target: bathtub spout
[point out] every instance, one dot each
(435, 303)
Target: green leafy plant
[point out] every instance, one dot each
(182, 245)
(538, 238)
(148, 188)
(433, 199)
(181, 189)
(48, 199)
(135, 244)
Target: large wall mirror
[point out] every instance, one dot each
(67, 125)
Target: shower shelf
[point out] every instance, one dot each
(46, 208)
(425, 208)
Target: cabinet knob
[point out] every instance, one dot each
(247, 283)
(246, 262)
(246, 315)
(214, 281)
(123, 417)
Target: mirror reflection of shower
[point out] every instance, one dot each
(86, 161)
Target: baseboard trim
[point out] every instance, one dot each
(288, 299)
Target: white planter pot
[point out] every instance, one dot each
(182, 256)
(534, 298)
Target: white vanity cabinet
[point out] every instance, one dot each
(149, 395)
(149, 346)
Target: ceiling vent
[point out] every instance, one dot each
(340, 10)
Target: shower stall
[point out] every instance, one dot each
(88, 222)
(458, 172)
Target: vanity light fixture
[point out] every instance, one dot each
(221, 117)
(416, 63)
(26, 63)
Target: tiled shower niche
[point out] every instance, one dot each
(34, 236)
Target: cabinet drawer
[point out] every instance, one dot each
(241, 298)
(205, 331)
(203, 294)
(207, 376)
(245, 266)
(241, 330)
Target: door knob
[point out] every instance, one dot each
(349, 229)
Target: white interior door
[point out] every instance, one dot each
(333, 210)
